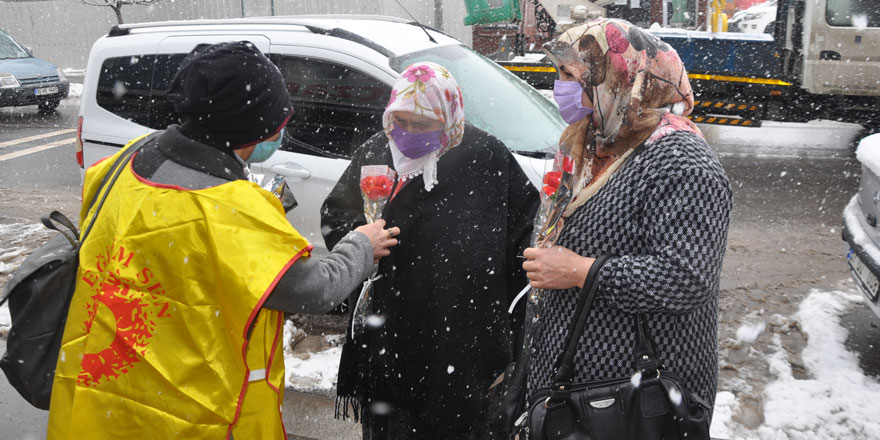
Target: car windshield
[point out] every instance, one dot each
(494, 99)
(10, 49)
(853, 13)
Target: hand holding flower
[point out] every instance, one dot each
(555, 268)
(377, 182)
(382, 239)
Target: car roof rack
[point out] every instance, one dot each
(306, 21)
(353, 37)
(300, 20)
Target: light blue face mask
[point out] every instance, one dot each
(266, 149)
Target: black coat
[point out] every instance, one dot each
(445, 289)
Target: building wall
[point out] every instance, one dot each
(62, 31)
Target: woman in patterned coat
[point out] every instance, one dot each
(649, 191)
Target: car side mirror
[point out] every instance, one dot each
(29, 50)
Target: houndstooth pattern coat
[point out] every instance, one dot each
(665, 214)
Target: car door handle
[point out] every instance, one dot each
(829, 55)
(292, 170)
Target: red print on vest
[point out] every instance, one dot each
(134, 303)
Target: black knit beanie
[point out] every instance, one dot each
(230, 95)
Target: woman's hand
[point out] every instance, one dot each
(380, 238)
(556, 268)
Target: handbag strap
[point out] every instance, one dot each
(645, 357)
(108, 181)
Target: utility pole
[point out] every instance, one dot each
(438, 15)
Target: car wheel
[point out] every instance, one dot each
(48, 106)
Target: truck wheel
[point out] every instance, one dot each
(48, 106)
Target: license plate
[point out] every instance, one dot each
(46, 91)
(867, 281)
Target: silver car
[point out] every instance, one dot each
(860, 223)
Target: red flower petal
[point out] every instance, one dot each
(567, 164)
(375, 187)
(551, 182)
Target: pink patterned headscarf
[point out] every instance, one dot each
(639, 90)
(633, 78)
(426, 89)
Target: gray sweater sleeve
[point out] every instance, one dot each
(313, 285)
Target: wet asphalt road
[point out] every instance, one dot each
(38, 163)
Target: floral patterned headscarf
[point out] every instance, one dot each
(426, 89)
(639, 89)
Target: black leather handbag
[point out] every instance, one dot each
(653, 404)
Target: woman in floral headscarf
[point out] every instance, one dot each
(465, 211)
(649, 191)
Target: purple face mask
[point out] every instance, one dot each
(568, 96)
(416, 145)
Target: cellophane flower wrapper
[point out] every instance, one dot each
(376, 184)
(556, 192)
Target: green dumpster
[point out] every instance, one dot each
(491, 11)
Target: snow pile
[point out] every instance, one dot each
(748, 333)
(725, 406)
(868, 153)
(15, 240)
(76, 90)
(12, 243)
(315, 372)
(319, 370)
(69, 71)
(838, 401)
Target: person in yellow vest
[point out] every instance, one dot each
(175, 328)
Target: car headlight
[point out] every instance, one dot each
(61, 76)
(7, 80)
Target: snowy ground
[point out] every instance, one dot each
(832, 400)
(835, 400)
(16, 240)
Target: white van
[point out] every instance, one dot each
(339, 72)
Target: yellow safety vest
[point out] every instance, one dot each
(166, 336)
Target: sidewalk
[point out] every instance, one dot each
(310, 417)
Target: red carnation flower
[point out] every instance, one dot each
(551, 182)
(376, 187)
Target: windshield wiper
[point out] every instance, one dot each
(536, 154)
(313, 149)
